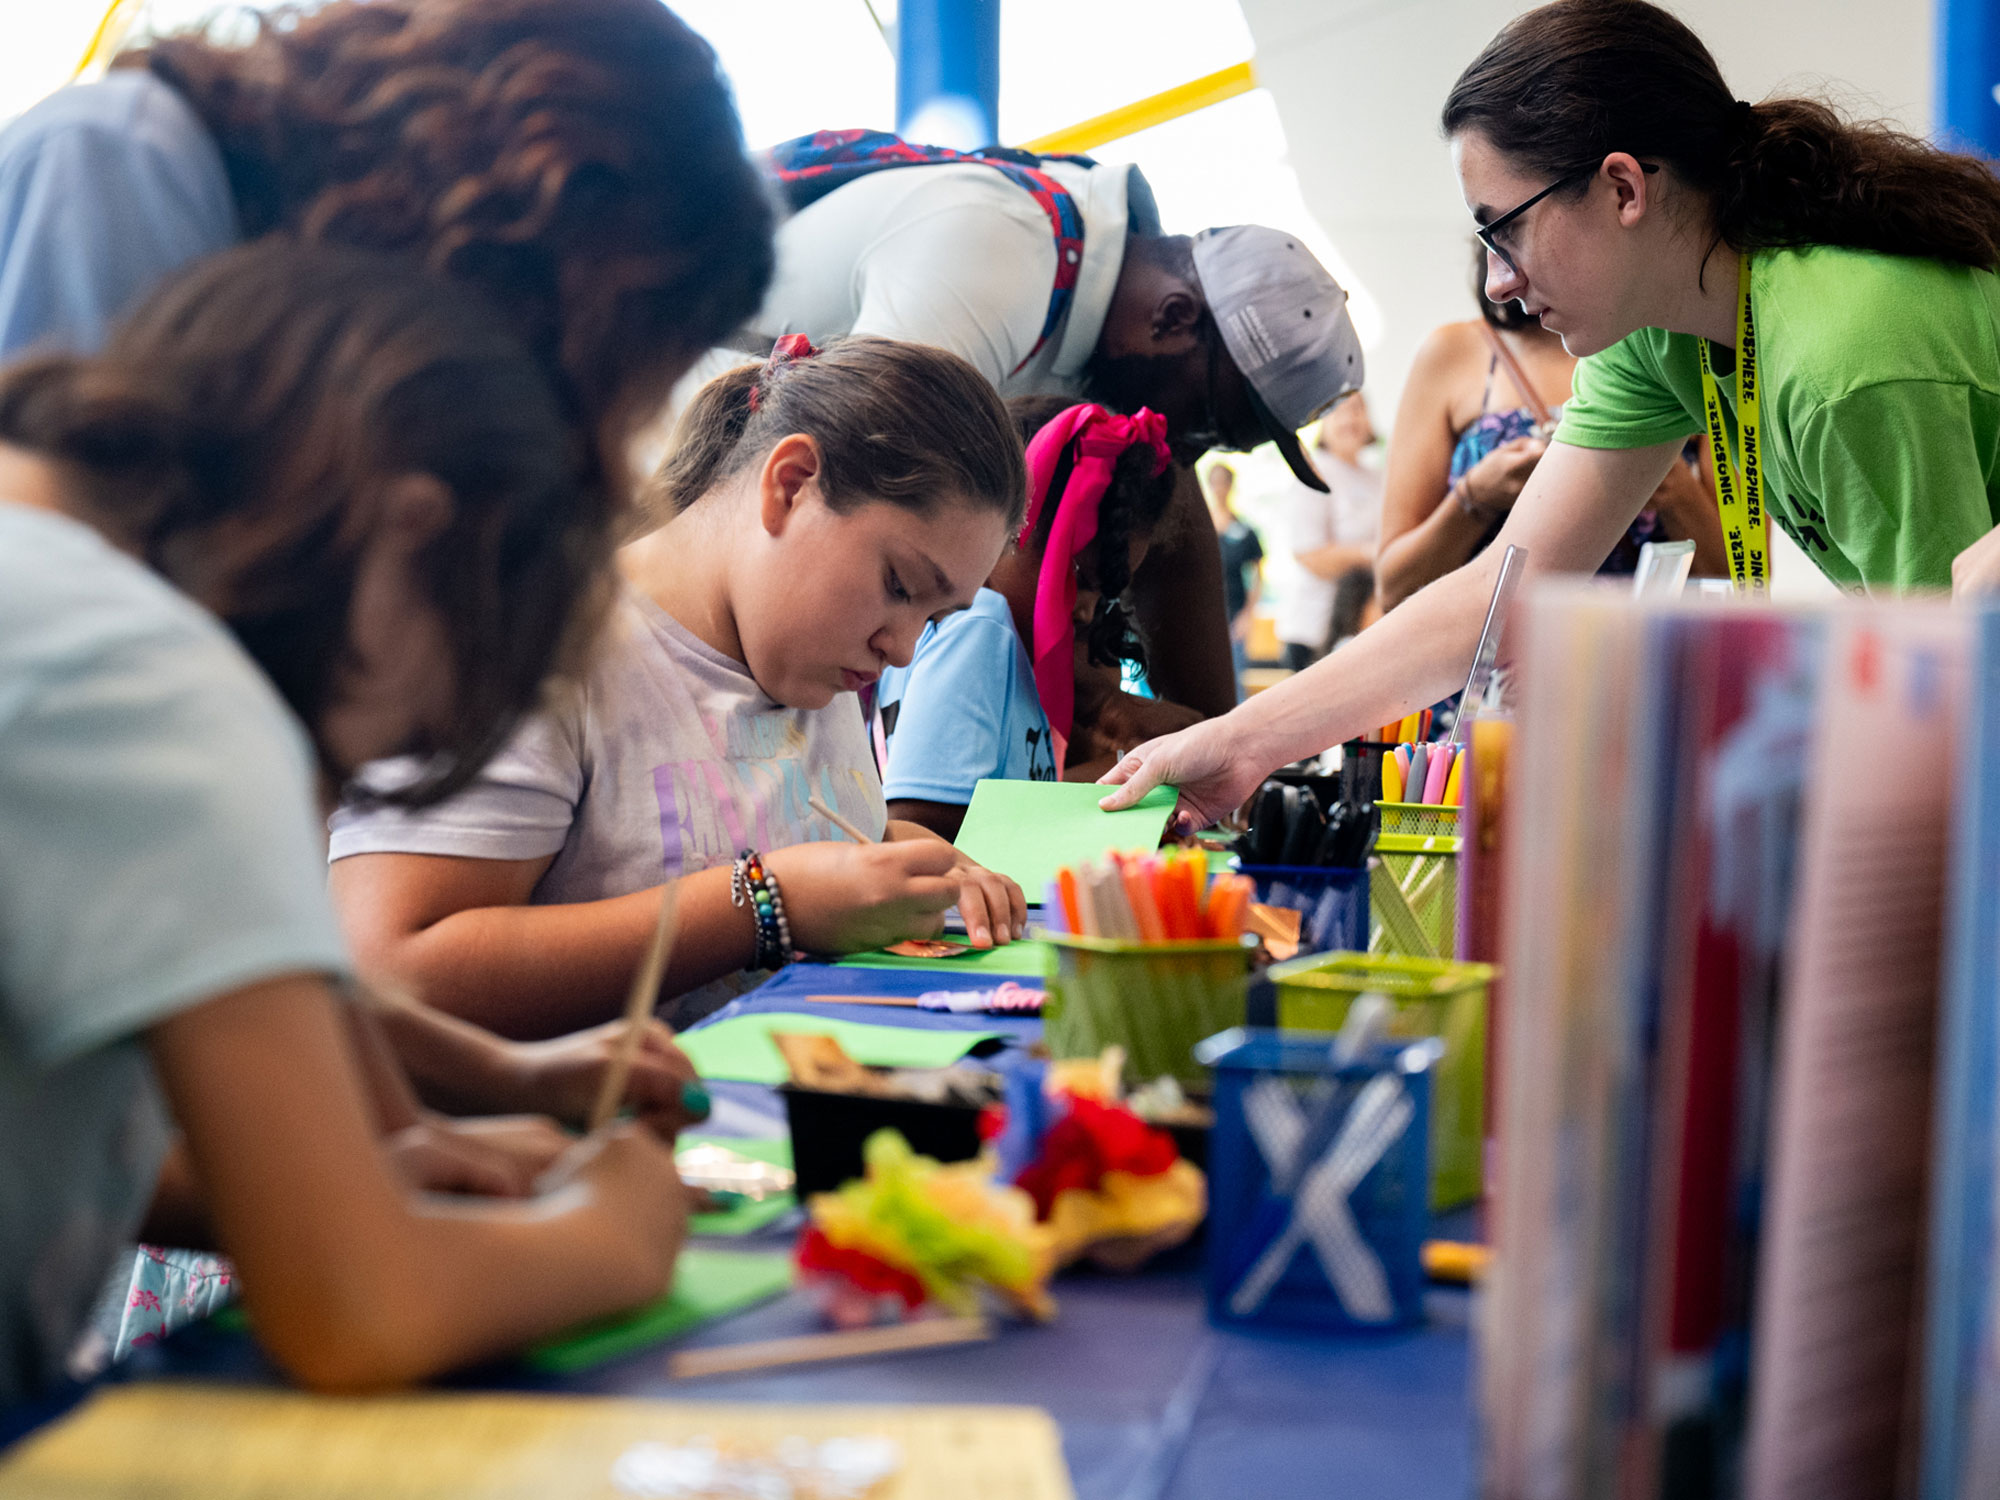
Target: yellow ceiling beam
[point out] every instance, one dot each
(1144, 114)
(109, 36)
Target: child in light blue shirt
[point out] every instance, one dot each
(974, 711)
(990, 689)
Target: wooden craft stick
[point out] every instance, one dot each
(851, 1343)
(638, 1008)
(838, 821)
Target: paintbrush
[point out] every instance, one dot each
(838, 821)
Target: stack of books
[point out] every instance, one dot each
(1745, 1109)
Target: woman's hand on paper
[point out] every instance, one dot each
(1213, 779)
(1976, 570)
(994, 909)
(561, 1077)
(991, 904)
(853, 898)
(497, 1157)
(632, 1177)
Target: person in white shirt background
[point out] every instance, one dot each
(1242, 562)
(1330, 535)
(1237, 336)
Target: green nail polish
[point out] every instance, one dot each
(695, 1100)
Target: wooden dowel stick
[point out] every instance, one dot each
(638, 1008)
(733, 1359)
(838, 821)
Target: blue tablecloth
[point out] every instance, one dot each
(1153, 1401)
(1155, 1404)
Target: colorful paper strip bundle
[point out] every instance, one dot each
(1157, 898)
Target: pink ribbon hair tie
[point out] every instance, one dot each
(1099, 437)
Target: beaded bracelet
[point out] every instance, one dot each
(751, 884)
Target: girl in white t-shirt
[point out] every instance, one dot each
(824, 508)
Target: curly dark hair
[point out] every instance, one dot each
(1132, 506)
(1564, 86)
(237, 433)
(579, 161)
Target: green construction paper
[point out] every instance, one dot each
(749, 1216)
(1025, 957)
(708, 1284)
(741, 1047)
(1031, 829)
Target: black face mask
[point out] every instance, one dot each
(1126, 382)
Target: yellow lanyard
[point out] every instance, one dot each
(1739, 493)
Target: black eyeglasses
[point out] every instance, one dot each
(1489, 231)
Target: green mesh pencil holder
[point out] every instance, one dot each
(1419, 818)
(1432, 998)
(1413, 896)
(1156, 1000)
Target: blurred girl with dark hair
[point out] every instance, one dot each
(309, 506)
(1819, 297)
(824, 508)
(578, 161)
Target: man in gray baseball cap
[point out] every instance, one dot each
(1236, 336)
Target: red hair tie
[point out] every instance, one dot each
(791, 347)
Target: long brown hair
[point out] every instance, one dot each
(579, 161)
(907, 423)
(238, 429)
(1565, 85)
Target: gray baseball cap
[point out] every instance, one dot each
(1284, 321)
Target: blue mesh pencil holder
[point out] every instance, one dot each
(1332, 903)
(1318, 1190)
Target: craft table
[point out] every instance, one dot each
(1153, 1401)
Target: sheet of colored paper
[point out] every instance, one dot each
(215, 1442)
(740, 1048)
(1031, 829)
(752, 1214)
(1027, 957)
(708, 1284)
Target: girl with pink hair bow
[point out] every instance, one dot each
(991, 691)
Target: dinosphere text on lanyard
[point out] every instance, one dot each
(1739, 493)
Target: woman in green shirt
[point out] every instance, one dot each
(1662, 227)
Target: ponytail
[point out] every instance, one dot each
(1565, 85)
(1802, 176)
(705, 438)
(908, 424)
